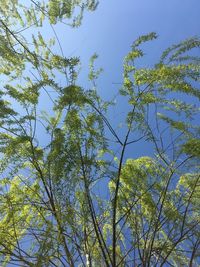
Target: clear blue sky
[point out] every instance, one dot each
(111, 29)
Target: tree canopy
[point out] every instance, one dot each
(69, 195)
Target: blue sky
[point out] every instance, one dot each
(111, 29)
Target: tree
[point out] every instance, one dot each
(69, 197)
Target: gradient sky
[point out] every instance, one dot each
(111, 29)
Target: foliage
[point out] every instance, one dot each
(68, 196)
